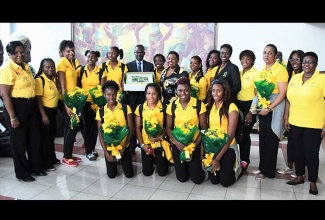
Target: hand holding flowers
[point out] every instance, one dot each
(153, 130)
(75, 101)
(213, 141)
(264, 86)
(97, 97)
(195, 88)
(186, 134)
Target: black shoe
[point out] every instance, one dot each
(28, 179)
(292, 183)
(56, 161)
(95, 153)
(41, 173)
(312, 192)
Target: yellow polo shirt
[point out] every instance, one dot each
(89, 80)
(187, 114)
(209, 75)
(157, 112)
(203, 86)
(115, 74)
(70, 73)
(49, 92)
(118, 114)
(307, 101)
(22, 81)
(214, 118)
(278, 73)
(247, 84)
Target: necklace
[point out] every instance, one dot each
(218, 107)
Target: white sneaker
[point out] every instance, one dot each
(256, 172)
(286, 170)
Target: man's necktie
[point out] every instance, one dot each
(139, 67)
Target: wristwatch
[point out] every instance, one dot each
(269, 109)
(141, 146)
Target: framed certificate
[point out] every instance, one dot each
(137, 81)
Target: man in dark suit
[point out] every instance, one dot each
(136, 97)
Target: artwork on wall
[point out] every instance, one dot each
(188, 39)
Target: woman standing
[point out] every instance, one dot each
(159, 60)
(199, 83)
(271, 113)
(89, 79)
(228, 71)
(47, 96)
(212, 62)
(294, 67)
(66, 70)
(305, 96)
(222, 113)
(188, 111)
(245, 98)
(169, 77)
(152, 110)
(18, 93)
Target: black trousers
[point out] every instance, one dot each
(48, 133)
(126, 162)
(69, 133)
(245, 145)
(148, 161)
(268, 146)
(25, 138)
(192, 169)
(226, 174)
(306, 143)
(90, 130)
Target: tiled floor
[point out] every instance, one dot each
(89, 181)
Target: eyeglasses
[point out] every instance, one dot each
(295, 60)
(309, 62)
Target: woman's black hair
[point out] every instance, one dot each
(11, 46)
(40, 70)
(226, 98)
(110, 84)
(159, 55)
(157, 88)
(97, 53)
(119, 52)
(248, 53)
(300, 53)
(200, 73)
(207, 64)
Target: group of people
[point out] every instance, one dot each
(176, 100)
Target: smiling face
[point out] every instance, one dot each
(68, 53)
(295, 62)
(217, 92)
(18, 56)
(110, 96)
(309, 64)
(152, 95)
(184, 92)
(48, 68)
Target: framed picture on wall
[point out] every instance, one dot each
(187, 39)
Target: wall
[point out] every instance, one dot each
(46, 38)
(285, 36)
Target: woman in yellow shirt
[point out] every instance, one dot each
(222, 113)
(186, 114)
(47, 97)
(114, 110)
(152, 109)
(18, 92)
(199, 83)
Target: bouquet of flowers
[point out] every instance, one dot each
(113, 134)
(195, 89)
(75, 100)
(122, 97)
(213, 141)
(97, 97)
(186, 134)
(264, 86)
(153, 129)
